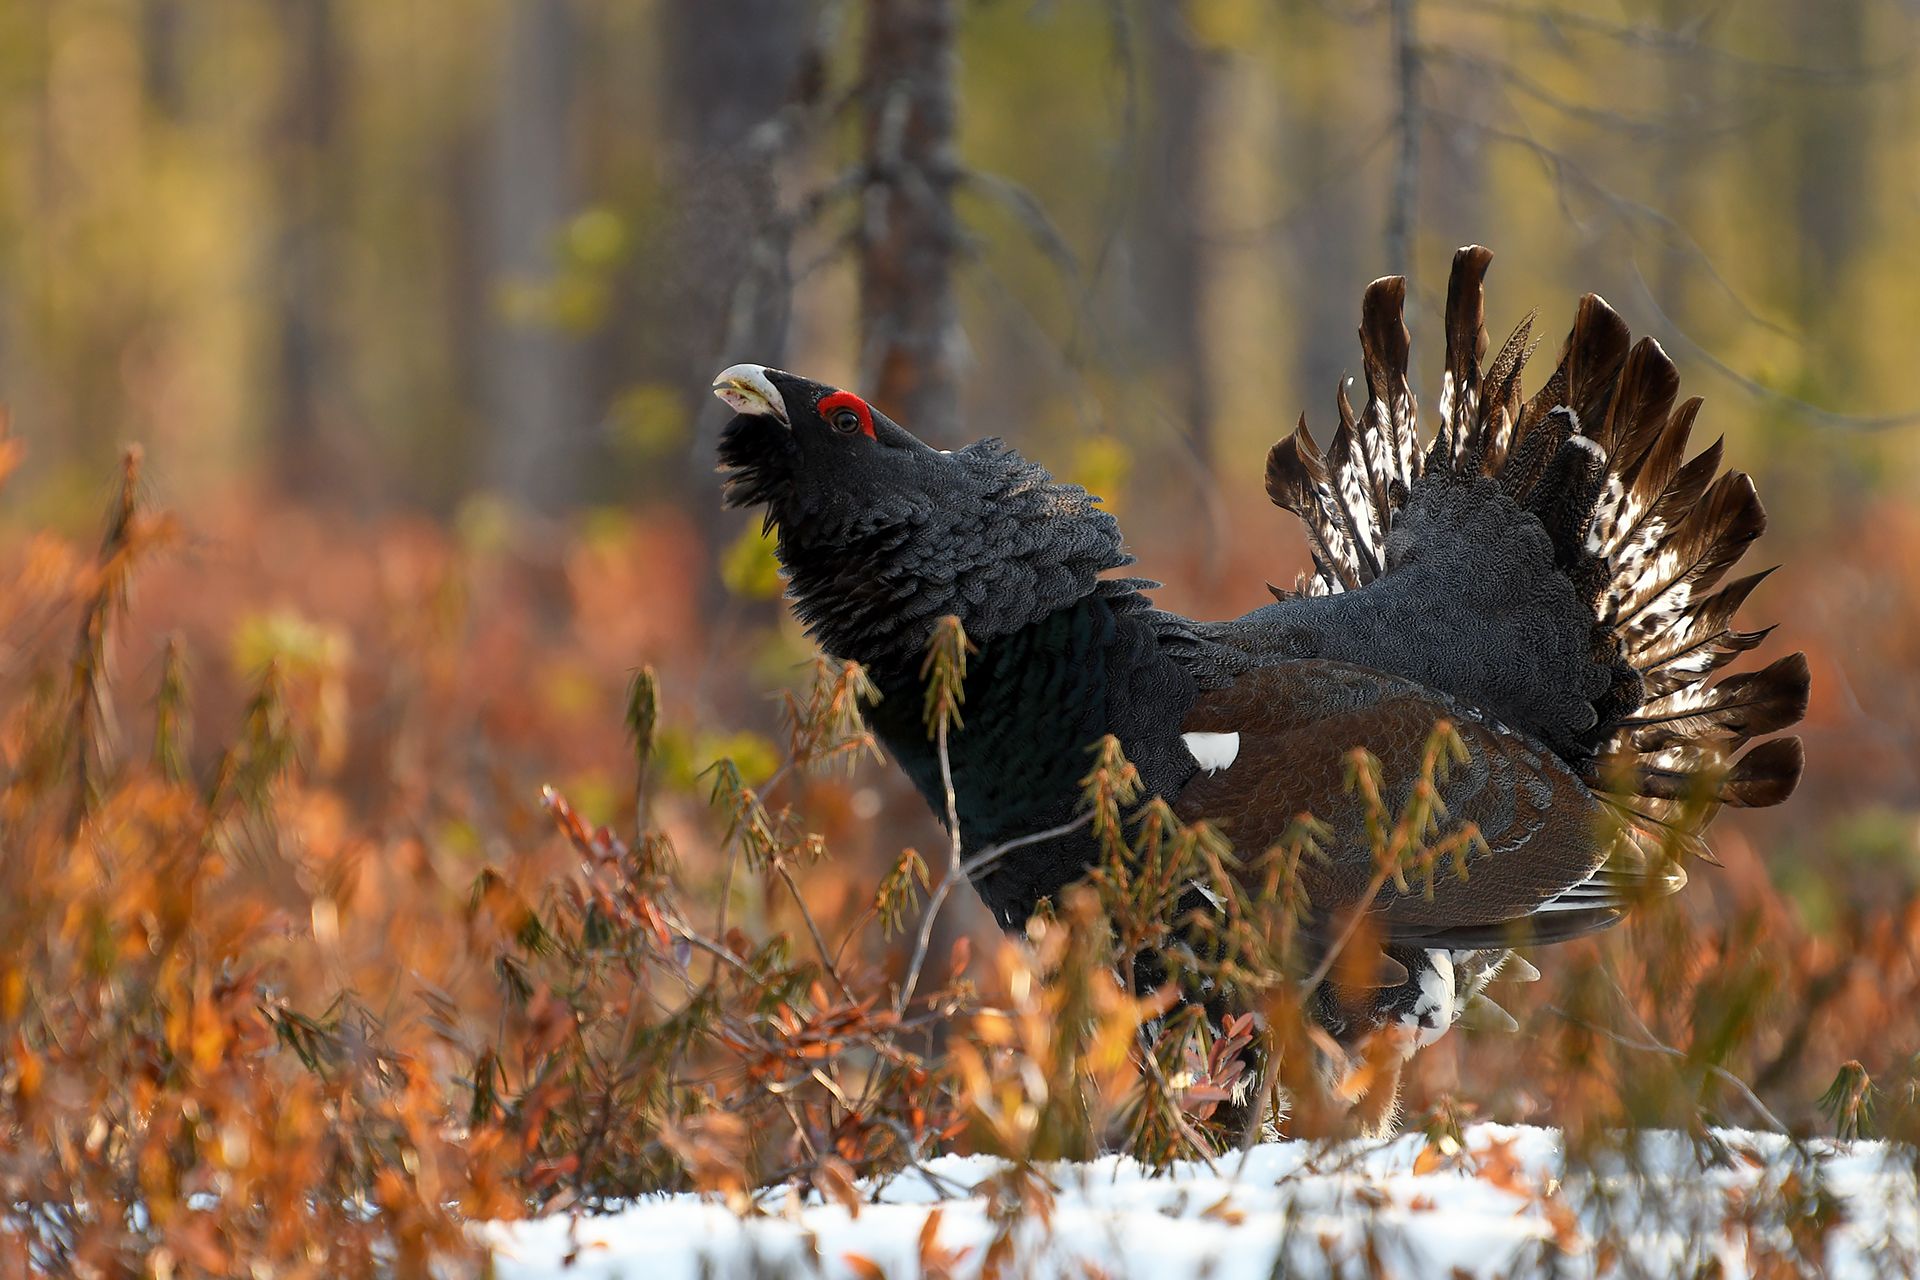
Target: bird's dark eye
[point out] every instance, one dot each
(846, 422)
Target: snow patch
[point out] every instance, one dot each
(1506, 1203)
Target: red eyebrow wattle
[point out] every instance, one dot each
(829, 405)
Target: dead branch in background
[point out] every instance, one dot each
(909, 239)
(1684, 44)
(1403, 198)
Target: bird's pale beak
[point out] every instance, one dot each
(746, 389)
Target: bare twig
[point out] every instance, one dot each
(1800, 408)
(1350, 163)
(1359, 913)
(986, 858)
(1626, 211)
(955, 870)
(1666, 1050)
(1643, 127)
(1684, 44)
(813, 928)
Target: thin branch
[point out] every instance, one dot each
(955, 869)
(1644, 1046)
(1625, 210)
(1121, 177)
(1361, 909)
(813, 928)
(1184, 1126)
(1643, 127)
(1799, 407)
(987, 857)
(1358, 15)
(1685, 45)
(693, 938)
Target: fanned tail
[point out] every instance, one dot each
(1598, 455)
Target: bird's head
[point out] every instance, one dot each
(814, 454)
(880, 534)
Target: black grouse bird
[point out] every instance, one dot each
(1544, 574)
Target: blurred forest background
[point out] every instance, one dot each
(414, 308)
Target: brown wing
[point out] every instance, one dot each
(1297, 722)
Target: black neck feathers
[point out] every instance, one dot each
(981, 534)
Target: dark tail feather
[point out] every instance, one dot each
(1703, 642)
(1699, 778)
(1739, 708)
(1589, 365)
(1596, 352)
(1353, 491)
(1466, 343)
(1640, 407)
(1297, 481)
(1500, 404)
(1390, 425)
(1618, 531)
(1765, 775)
(1648, 601)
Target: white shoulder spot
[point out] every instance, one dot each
(1212, 751)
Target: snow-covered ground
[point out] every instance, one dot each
(1505, 1205)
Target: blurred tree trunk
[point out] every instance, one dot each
(910, 327)
(1834, 194)
(537, 446)
(1331, 258)
(1457, 205)
(305, 455)
(1682, 81)
(730, 67)
(1182, 79)
(162, 57)
(1403, 201)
